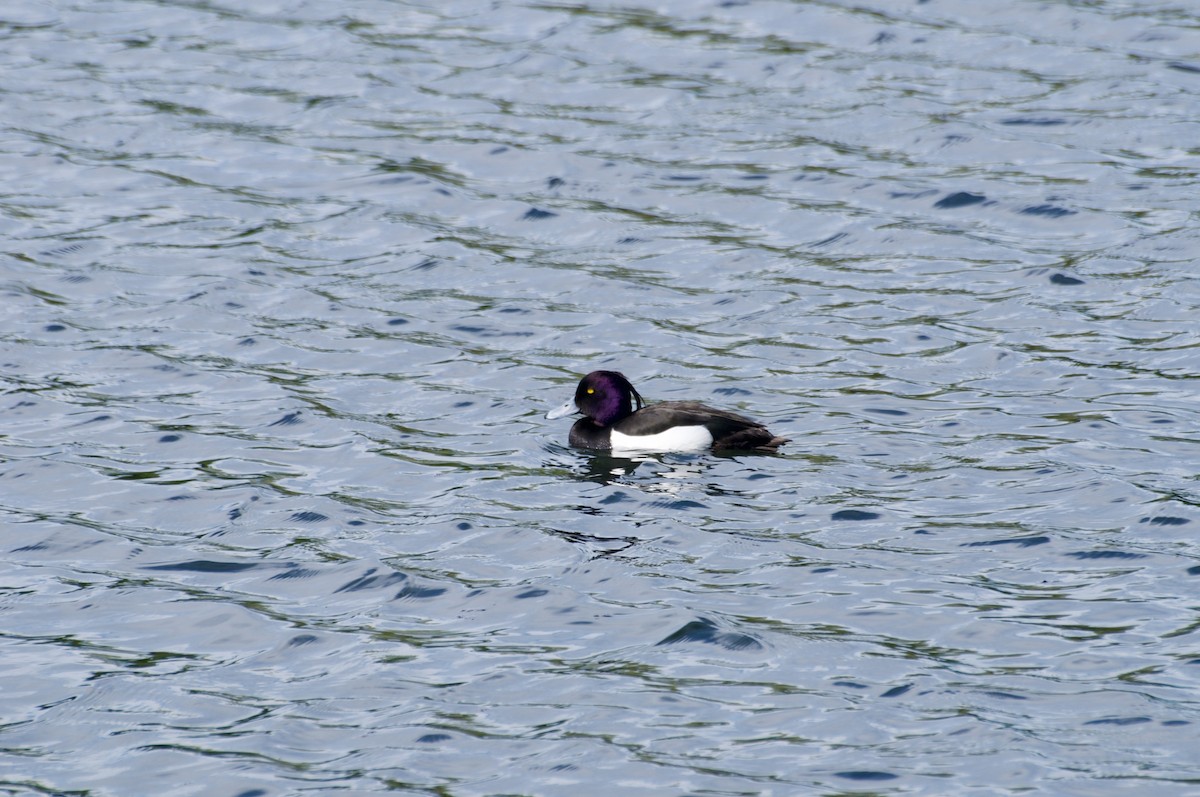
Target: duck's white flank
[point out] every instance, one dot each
(680, 438)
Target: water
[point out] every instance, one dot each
(288, 290)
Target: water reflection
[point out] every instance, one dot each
(659, 472)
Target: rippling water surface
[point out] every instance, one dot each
(288, 287)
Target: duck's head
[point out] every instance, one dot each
(604, 396)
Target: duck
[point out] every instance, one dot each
(611, 423)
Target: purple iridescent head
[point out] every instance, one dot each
(604, 396)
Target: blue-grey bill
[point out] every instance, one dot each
(567, 409)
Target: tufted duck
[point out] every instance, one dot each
(610, 422)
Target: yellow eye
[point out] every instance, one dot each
(591, 390)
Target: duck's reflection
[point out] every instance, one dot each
(658, 472)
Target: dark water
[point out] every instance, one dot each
(287, 291)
